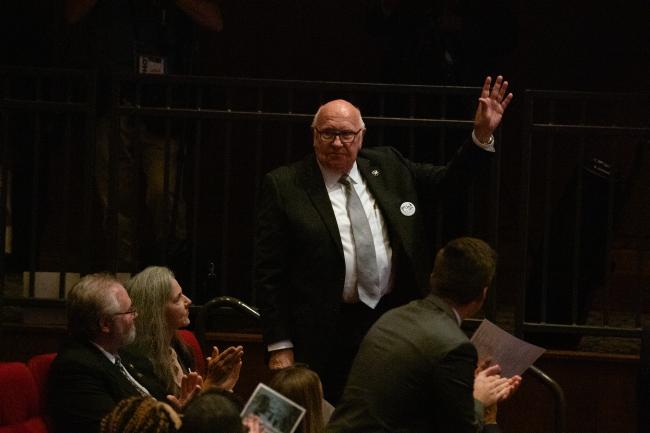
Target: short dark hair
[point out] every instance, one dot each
(213, 411)
(462, 269)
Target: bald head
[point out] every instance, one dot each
(332, 121)
(340, 108)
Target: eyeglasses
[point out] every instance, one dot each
(329, 135)
(131, 310)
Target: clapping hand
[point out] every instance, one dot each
(223, 368)
(191, 385)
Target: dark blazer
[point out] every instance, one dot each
(299, 263)
(84, 385)
(414, 372)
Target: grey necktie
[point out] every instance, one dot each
(141, 389)
(367, 274)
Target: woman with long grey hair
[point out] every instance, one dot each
(162, 309)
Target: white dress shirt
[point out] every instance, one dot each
(383, 252)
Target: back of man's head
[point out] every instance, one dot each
(214, 411)
(462, 269)
(92, 298)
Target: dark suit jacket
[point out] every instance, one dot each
(299, 264)
(84, 386)
(414, 372)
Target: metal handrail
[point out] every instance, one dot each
(221, 302)
(229, 301)
(558, 396)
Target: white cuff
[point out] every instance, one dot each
(489, 146)
(284, 344)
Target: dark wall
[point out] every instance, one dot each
(581, 45)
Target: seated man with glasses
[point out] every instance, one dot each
(344, 235)
(89, 377)
(91, 374)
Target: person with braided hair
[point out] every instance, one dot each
(141, 415)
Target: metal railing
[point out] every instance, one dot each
(559, 402)
(227, 133)
(218, 136)
(582, 152)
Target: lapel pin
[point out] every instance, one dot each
(407, 208)
(375, 172)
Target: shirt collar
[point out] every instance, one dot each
(458, 319)
(108, 355)
(331, 177)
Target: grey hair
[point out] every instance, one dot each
(90, 300)
(150, 290)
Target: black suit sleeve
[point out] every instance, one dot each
(271, 259)
(454, 379)
(469, 162)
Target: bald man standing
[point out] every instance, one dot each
(342, 235)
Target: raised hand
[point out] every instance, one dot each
(491, 106)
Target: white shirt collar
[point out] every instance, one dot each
(458, 319)
(108, 355)
(331, 177)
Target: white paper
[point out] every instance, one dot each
(513, 355)
(277, 413)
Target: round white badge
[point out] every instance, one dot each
(407, 208)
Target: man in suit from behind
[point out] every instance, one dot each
(86, 379)
(416, 369)
(317, 301)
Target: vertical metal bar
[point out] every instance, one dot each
(524, 208)
(67, 170)
(609, 240)
(33, 238)
(112, 220)
(168, 210)
(88, 173)
(442, 136)
(577, 224)
(640, 285)
(412, 110)
(380, 128)
(4, 194)
(546, 215)
(225, 223)
(196, 189)
(134, 170)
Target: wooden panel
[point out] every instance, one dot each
(600, 392)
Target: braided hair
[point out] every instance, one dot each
(141, 415)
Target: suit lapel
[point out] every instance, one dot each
(386, 197)
(312, 179)
(119, 381)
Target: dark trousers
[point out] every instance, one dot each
(354, 323)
